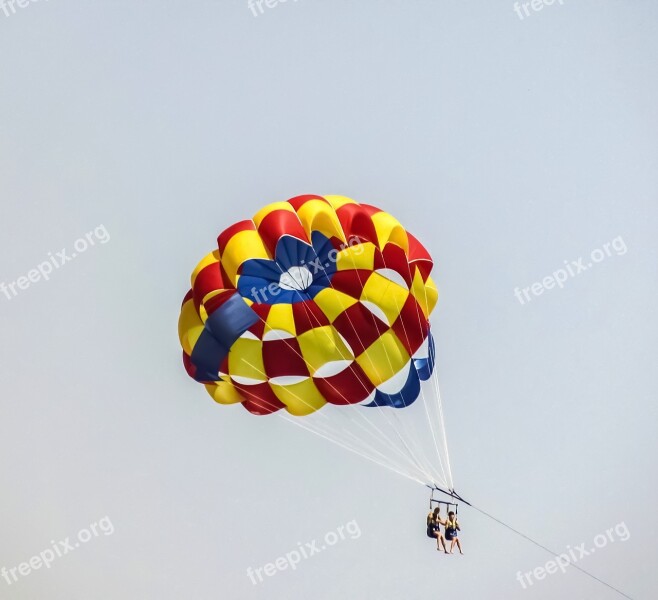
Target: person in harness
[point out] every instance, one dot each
(452, 527)
(434, 523)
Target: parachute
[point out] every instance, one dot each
(317, 310)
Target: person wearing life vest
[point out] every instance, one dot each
(452, 527)
(434, 523)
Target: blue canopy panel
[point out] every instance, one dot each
(420, 369)
(222, 328)
(259, 277)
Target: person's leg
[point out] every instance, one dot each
(459, 546)
(444, 545)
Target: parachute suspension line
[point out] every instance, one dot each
(369, 432)
(356, 446)
(415, 459)
(434, 376)
(421, 475)
(332, 434)
(412, 437)
(551, 552)
(356, 331)
(359, 443)
(435, 474)
(416, 463)
(407, 435)
(358, 440)
(439, 405)
(433, 434)
(442, 422)
(334, 441)
(447, 477)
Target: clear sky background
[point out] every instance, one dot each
(507, 145)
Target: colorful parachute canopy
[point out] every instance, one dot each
(315, 300)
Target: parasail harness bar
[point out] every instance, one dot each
(450, 493)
